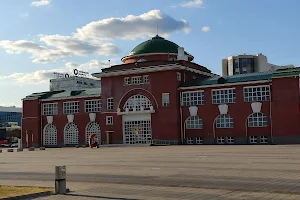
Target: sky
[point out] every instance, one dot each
(40, 37)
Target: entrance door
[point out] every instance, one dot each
(137, 129)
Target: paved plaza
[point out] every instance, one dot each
(173, 172)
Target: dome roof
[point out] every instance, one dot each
(156, 44)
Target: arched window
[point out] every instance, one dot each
(194, 122)
(71, 134)
(257, 120)
(50, 135)
(137, 101)
(224, 121)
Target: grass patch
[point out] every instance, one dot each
(13, 191)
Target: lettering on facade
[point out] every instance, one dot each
(76, 72)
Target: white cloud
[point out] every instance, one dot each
(205, 29)
(132, 27)
(71, 45)
(43, 76)
(41, 3)
(193, 4)
(40, 54)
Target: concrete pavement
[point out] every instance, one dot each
(177, 172)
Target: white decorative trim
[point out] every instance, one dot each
(193, 110)
(136, 112)
(150, 69)
(223, 108)
(151, 54)
(256, 107)
(92, 117)
(74, 97)
(50, 119)
(70, 118)
(223, 85)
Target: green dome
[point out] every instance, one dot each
(156, 44)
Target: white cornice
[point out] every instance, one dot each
(223, 85)
(148, 69)
(152, 54)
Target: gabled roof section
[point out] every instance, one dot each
(217, 80)
(52, 95)
(295, 71)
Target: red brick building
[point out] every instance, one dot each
(158, 95)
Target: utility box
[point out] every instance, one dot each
(60, 180)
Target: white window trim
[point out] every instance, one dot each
(199, 140)
(162, 99)
(258, 121)
(85, 110)
(43, 106)
(230, 142)
(189, 140)
(144, 79)
(212, 100)
(261, 139)
(219, 139)
(107, 104)
(195, 91)
(196, 120)
(251, 140)
(229, 123)
(256, 86)
(71, 102)
(107, 120)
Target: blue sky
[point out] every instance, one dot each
(39, 37)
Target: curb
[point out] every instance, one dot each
(35, 195)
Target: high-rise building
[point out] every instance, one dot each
(10, 115)
(243, 64)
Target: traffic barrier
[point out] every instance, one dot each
(42, 148)
(0, 150)
(10, 150)
(19, 149)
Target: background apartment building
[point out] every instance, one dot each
(243, 64)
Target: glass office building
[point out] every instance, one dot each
(9, 115)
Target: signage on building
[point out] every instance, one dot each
(76, 72)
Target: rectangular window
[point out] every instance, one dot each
(223, 96)
(190, 140)
(199, 140)
(145, 79)
(110, 103)
(136, 80)
(71, 107)
(109, 120)
(178, 76)
(220, 140)
(126, 81)
(230, 140)
(253, 139)
(263, 139)
(165, 99)
(192, 98)
(50, 109)
(257, 93)
(93, 105)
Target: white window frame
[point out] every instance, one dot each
(230, 140)
(254, 96)
(194, 122)
(165, 99)
(263, 139)
(109, 120)
(95, 105)
(218, 98)
(110, 103)
(136, 80)
(76, 103)
(178, 76)
(126, 80)
(253, 139)
(190, 140)
(145, 79)
(192, 98)
(199, 140)
(51, 110)
(257, 120)
(221, 140)
(222, 121)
